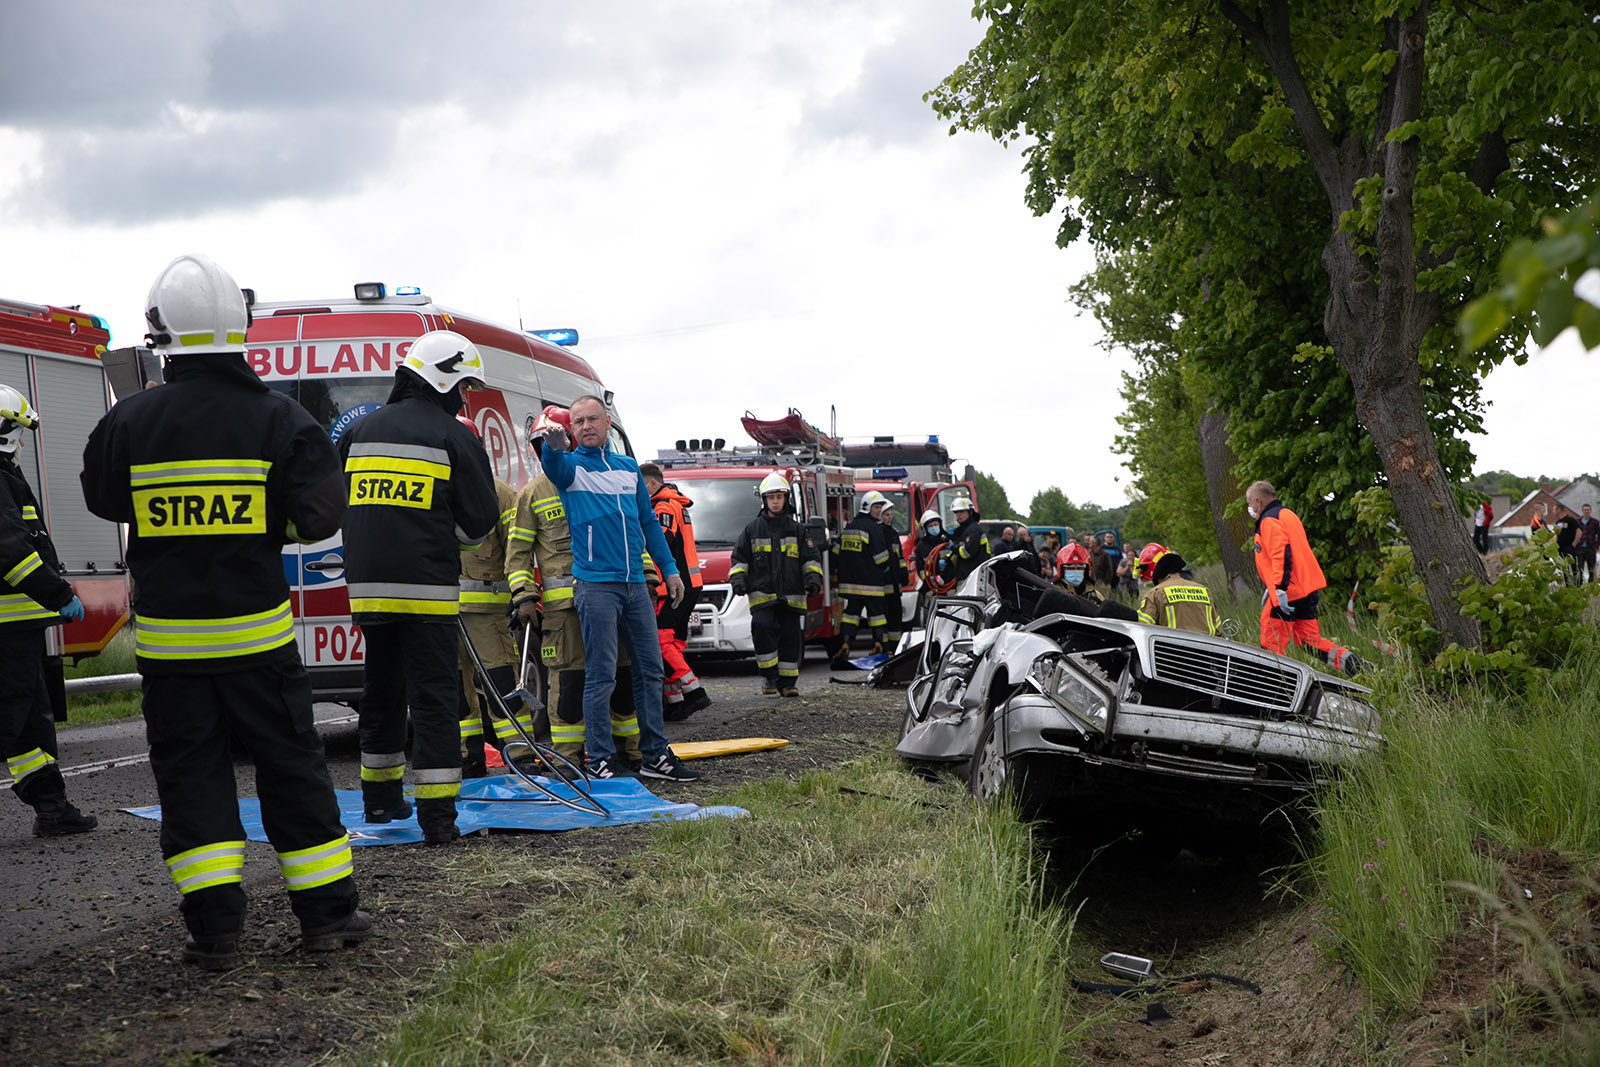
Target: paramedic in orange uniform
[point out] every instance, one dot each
(1293, 577)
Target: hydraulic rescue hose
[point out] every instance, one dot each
(578, 781)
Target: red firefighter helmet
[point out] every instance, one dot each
(469, 424)
(550, 416)
(1147, 560)
(1073, 555)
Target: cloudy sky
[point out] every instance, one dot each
(740, 205)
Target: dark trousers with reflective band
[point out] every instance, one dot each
(775, 631)
(412, 664)
(894, 619)
(191, 721)
(27, 726)
(855, 606)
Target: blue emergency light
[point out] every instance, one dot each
(892, 474)
(556, 337)
(407, 290)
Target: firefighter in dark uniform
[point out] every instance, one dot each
(33, 596)
(777, 567)
(682, 694)
(420, 488)
(865, 578)
(214, 473)
(972, 544)
(893, 606)
(541, 542)
(484, 601)
(933, 536)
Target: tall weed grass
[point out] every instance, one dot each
(859, 917)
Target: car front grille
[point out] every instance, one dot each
(1234, 677)
(714, 597)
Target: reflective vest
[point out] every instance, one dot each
(1283, 555)
(672, 509)
(213, 473)
(1179, 604)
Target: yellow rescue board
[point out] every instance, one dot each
(702, 749)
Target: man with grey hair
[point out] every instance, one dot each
(613, 524)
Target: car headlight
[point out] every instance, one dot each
(1070, 690)
(1343, 709)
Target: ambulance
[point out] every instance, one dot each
(51, 355)
(337, 358)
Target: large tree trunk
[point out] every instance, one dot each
(1223, 488)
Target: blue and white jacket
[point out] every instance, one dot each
(609, 514)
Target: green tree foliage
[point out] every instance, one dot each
(1311, 196)
(1051, 507)
(992, 500)
(1536, 286)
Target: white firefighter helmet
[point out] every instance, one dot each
(871, 498)
(194, 307)
(16, 415)
(961, 503)
(772, 483)
(444, 359)
(929, 516)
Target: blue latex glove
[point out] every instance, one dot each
(73, 612)
(1283, 605)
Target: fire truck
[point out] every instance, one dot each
(337, 357)
(52, 356)
(914, 473)
(722, 483)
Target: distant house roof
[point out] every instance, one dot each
(1575, 495)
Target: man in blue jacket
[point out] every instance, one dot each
(613, 524)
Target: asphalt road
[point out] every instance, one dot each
(58, 893)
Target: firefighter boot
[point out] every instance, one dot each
(384, 801)
(357, 926)
(46, 793)
(437, 817)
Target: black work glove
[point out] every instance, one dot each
(813, 587)
(738, 585)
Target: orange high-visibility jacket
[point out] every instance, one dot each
(1283, 555)
(672, 510)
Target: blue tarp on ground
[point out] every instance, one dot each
(501, 803)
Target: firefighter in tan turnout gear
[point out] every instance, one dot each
(419, 488)
(33, 596)
(214, 473)
(539, 540)
(484, 601)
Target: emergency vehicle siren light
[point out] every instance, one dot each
(556, 337)
(370, 291)
(407, 290)
(892, 474)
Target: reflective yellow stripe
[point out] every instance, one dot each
(520, 533)
(399, 606)
(17, 607)
(403, 598)
(763, 662)
(436, 790)
(484, 598)
(520, 578)
(382, 774)
(30, 563)
(551, 596)
(566, 731)
(308, 868)
(472, 727)
(395, 465)
(200, 868)
(29, 511)
(625, 727)
(758, 599)
(241, 635)
(188, 339)
(25, 764)
(199, 470)
(504, 729)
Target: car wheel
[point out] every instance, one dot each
(990, 775)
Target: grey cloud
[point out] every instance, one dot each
(140, 175)
(885, 105)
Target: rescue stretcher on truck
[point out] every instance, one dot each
(337, 358)
(722, 483)
(52, 356)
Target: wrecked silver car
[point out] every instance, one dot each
(1065, 705)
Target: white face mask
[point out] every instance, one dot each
(1250, 509)
(1072, 577)
(933, 529)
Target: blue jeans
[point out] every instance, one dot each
(605, 610)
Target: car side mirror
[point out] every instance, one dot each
(1133, 968)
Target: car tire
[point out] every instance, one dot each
(994, 775)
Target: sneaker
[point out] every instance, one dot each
(605, 767)
(211, 955)
(357, 926)
(668, 768)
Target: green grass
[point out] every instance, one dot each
(904, 927)
(118, 658)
